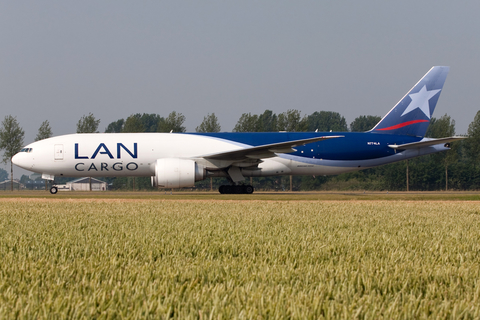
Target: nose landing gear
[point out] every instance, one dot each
(53, 190)
(53, 187)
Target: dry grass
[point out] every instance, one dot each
(176, 195)
(232, 259)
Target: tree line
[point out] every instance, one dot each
(455, 169)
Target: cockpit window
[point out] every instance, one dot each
(28, 150)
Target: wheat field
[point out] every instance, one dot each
(193, 259)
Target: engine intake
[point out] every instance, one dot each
(177, 173)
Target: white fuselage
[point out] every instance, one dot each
(135, 154)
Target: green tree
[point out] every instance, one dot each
(115, 127)
(44, 132)
(291, 121)
(11, 141)
(247, 123)
(3, 175)
(472, 144)
(150, 121)
(133, 124)
(267, 121)
(326, 121)
(364, 123)
(441, 128)
(24, 179)
(209, 124)
(172, 123)
(88, 124)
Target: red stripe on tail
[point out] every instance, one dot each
(401, 125)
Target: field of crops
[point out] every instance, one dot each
(217, 259)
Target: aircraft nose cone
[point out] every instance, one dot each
(15, 159)
(21, 161)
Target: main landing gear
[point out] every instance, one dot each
(237, 189)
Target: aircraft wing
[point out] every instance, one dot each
(425, 143)
(266, 150)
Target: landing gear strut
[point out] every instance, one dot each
(238, 189)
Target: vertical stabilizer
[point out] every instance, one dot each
(411, 115)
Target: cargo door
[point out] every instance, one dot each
(59, 152)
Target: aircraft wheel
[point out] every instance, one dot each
(53, 190)
(238, 189)
(248, 189)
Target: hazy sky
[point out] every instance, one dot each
(60, 60)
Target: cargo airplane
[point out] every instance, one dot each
(175, 160)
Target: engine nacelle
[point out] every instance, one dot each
(177, 173)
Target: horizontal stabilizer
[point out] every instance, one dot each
(425, 143)
(265, 151)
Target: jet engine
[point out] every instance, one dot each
(177, 173)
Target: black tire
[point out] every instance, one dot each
(237, 189)
(53, 190)
(241, 189)
(248, 189)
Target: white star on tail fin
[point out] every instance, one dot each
(420, 101)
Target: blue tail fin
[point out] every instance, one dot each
(411, 116)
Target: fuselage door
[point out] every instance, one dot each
(59, 152)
